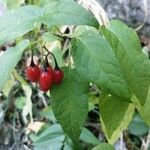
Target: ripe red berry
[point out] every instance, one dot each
(45, 80)
(57, 73)
(33, 72)
(57, 76)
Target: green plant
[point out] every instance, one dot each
(109, 57)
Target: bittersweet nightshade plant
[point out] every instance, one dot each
(108, 56)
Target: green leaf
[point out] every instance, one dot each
(48, 114)
(116, 64)
(88, 137)
(67, 12)
(134, 64)
(9, 60)
(104, 146)
(70, 103)
(116, 114)
(18, 22)
(20, 102)
(51, 132)
(52, 138)
(95, 60)
(138, 127)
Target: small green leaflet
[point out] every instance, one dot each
(137, 127)
(104, 146)
(20, 102)
(9, 60)
(70, 103)
(88, 137)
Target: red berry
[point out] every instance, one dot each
(57, 76)
(50, 69)
(45, 80)
(33, 72)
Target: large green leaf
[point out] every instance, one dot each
(116, 115)
(134, 64)
(104, 146)
(70, 104)
(9, 60)
(67, 12)
(17, 22)
(95, 60)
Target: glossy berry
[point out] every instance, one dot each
(33, 72)
(57, 73)
(57, 76)
(45, 80)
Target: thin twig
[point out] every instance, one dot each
(62, 36)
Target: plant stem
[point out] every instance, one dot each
(56, 64)
(62, 36)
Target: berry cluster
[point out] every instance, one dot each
(46, 76)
